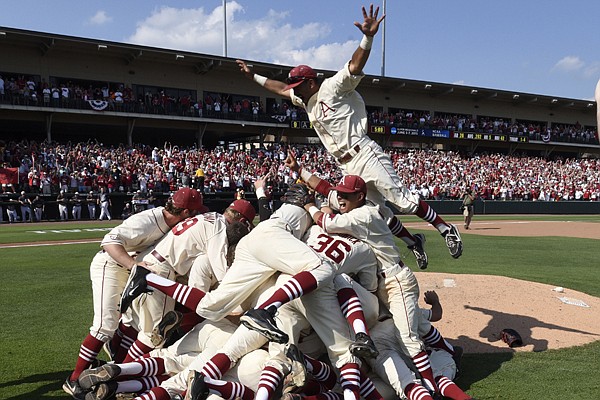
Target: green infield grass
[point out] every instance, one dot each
(46, 309)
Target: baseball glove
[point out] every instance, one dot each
(298, 194)
(511, 337)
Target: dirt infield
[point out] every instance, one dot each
(478, 307)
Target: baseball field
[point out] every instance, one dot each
(510, 276)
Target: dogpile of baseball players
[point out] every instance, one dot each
(314, 302)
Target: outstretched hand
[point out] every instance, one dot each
(261, 182)
(291, 162)
(245, 68)
(370, 25)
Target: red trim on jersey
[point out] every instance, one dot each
(320, 220)
(324, 187)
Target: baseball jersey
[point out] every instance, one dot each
(139, 231)
(365, 223)
(295, 218)
(202, 234)
(337, 112)
(348, 254)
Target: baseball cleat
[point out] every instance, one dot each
(104, 391)
(363, 346)
(297, 376)
(454, 242)
(263, 321)
(73, 389)
(92, 377)
(136, 286)
(165, 329)
(196, 387)
(418, 250)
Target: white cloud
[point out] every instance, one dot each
(460, 82)
(592, 70)
(100, 18)
(270, 39)
(569, 63)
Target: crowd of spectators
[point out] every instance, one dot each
(48, 168)
(22, 90)
(418, 119)
(19, 89)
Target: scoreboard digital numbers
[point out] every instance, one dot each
(518, 139)
(495, 137)
(301, 125)
(444, 133)
(380, 129)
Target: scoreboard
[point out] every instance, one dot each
(432, 133)
(445, 133)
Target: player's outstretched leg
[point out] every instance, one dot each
(142, 280)
(262, 319)
(352, 310)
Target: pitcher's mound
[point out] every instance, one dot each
(478, 307)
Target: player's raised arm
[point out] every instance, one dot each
(271, 85)
(369, 28)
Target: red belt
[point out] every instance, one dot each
(156, 255)
(349, 156)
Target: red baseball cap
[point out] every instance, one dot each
(190, 199)
(351, 184)
(298, 75)
(245, 208)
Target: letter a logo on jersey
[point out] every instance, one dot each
(325, 108)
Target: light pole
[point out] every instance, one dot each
(383, 42)
(224, 28)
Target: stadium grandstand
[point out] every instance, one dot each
(90, 101)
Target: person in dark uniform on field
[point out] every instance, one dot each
(38, 208)
(76, 210)
(91, 204)
(63, 210)
(467, 206)
(25, 207)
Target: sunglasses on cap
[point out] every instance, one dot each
(346, 196)
(295, 79)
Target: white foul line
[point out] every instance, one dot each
(12, 246)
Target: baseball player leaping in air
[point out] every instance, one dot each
(339, 117)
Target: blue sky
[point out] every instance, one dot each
(549, 47)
